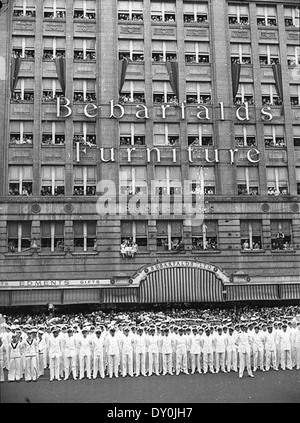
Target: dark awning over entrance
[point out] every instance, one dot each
(251, 292)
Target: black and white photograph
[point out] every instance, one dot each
(149, 204)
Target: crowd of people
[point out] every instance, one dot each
(145, 343)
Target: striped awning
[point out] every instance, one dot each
(181, 284)
(120, 295)
(252, 292)
(289, 291)
(36, 297)
(82, 296)
(5, 298)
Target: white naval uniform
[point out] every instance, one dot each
(2, 353)
(181, 354)
(270, 349)
(297, 346)
(98, 356)
(231, 352)
(220, 347)
(14, 358)
(285, 342)
(84, 357)
(55, 350)
(140, 355)
(208, 351)
(195, 352)
(244, 351)
(152, 347)
(258, 350)
(127, 354)
(70, 351)
(113, 354)
(31, 364)
(167, 354)
(42, 349)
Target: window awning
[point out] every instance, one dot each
(120, 295)
(289, 292)
(252, 292)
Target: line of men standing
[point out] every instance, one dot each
(146, 350)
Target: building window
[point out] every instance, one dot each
(248, 180)
(268, 54)
(251, 235)
(54, 47)
(53, 180)
(293, 55)
(197, 52)
(51, 90)
(198, 92)
(168, 180)
(24, 90)
(274, 136)
(169, 236)
(163, 11)
(133, 92)
(24, 8)
(20, 180)
(164, 51)
(133, 180)
(85, 49)
(292, 16)
(241, 53)
(52, 236)
(295, 95)
(21, 133)
(281, 235)
(84, 9)
(278, 182)
(85, 134)
(195, 12)
(296, 135)
(163, 93)
(245, 94)
(134, 237)
(132, 50)
(269, 95)
(19, 236)
(200, 135)
(53, 133)
(132, 134)
(166, 134)
(245, 135)
(54, 9)
(85, 90)
(205, 237)
(23, 47)
(238, 14)
(202, 181)
(85, 236)
(130, 10)
(85, 180)
(298, 179)
(266, 16)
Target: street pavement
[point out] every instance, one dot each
(271, 387)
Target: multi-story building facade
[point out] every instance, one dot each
(163, 99)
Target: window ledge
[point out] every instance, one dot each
(206, 252)
(51, 254)
(171, 252)
(18, 255)
(20, 145)
(198, 24)
(87, 253)
(253, 251)
(54, 19)
(283, 251)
